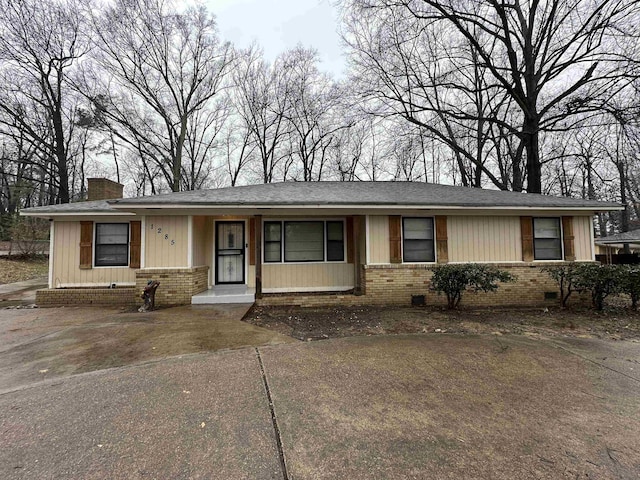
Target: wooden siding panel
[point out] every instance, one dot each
(159, 249)
(303, 277)
(582, 238)
(199, 237)
(252, 241)
(378, 239)
(483, 239)
(66, 265)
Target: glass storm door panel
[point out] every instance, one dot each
(230, 252)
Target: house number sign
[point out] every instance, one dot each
(159, 231)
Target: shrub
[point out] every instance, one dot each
(453, 279)
(630, 283)
(564, 276)
(600, 280)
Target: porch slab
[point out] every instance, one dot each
(225, 294)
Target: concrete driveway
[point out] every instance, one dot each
(386, 407)
(40, 344)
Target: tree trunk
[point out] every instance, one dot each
(530, 138)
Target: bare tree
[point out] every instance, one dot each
(262, 99)
(40, 44)
(163, 69)
(314, 113)
(550, 60)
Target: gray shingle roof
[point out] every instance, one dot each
(624, 237)
(96, 206)
(330, 194)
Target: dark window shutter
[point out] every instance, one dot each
(569, 239)
(135, 244)
(395, 239)
(526, 233)
(442, 240)
(350, 240)
(86, 244)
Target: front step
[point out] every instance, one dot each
(225, 294)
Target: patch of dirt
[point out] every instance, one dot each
(18, 269)
(331, 322)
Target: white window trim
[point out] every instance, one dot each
(94, 244)
(533, 227)
(435, 250)
(318, 262)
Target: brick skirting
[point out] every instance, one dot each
(395, 284)
(177, 285)
(51, 297)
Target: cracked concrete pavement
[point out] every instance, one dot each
(385, 407)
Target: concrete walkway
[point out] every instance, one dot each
(386, 407)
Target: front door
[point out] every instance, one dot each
(229, 252)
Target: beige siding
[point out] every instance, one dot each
(160, 232)
(484, 239)
(378, 239)
(307, 277)
(66, 261)
(208, 249)
(582, 234)
(251, 276)
(199, 241)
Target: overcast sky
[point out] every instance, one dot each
(277, 25)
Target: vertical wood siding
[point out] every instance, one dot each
(484, 239)
(582, 238)
(307, 276)
(378, 239)
(66, 261)
(159, 251)
(199, 238)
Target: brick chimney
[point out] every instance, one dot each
(103, 189)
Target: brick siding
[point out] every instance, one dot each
(51, 297)
(177, 285)
(395, 285)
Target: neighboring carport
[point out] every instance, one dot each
(627, 242)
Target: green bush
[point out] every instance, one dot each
(630, 283)
(564, 276)
(453, 279)
(600, 280)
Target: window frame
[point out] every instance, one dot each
(96, 245)
(433, 240)
(325, 242)
(265, 242)
(560, 238)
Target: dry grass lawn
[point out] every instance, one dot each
(18, 270)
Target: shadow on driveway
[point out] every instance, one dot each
(40, 344)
